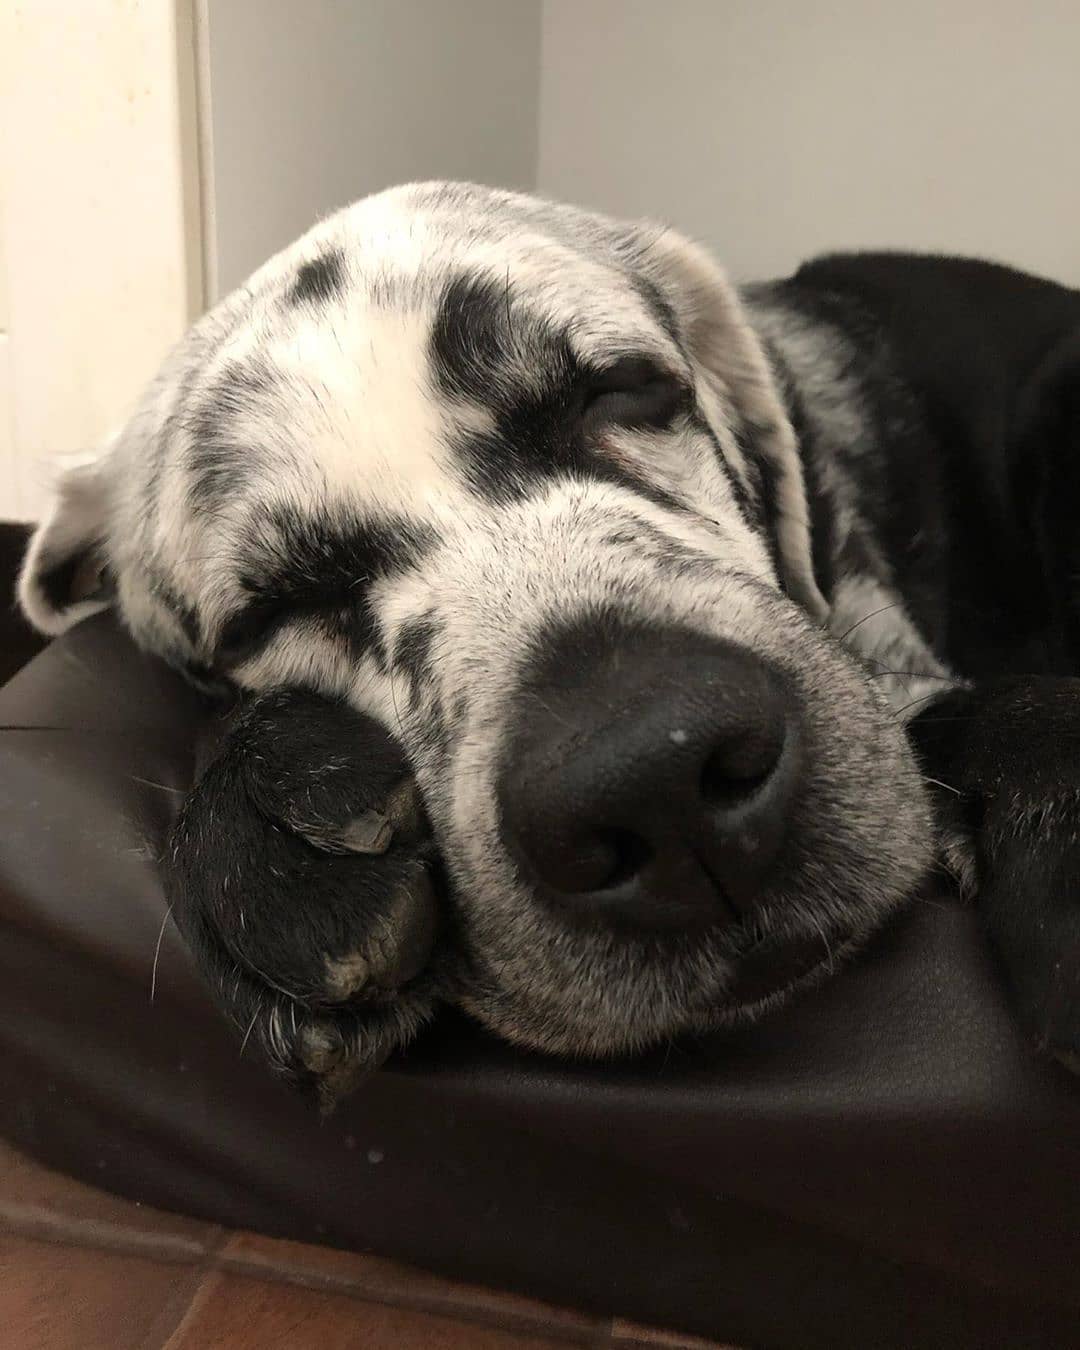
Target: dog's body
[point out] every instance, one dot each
(668, 598)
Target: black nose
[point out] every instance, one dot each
(650, 776)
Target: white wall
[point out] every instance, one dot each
(771, 128)
(317, 103)
(99, 223)
(158, 150)
(777, 128)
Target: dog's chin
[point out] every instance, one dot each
(764, 976)
(772, 974)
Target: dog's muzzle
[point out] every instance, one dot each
(650, 777)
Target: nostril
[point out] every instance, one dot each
(735, 770)
(629, 853)
(601, 862)
(649, 777)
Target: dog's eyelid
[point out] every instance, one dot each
(631, 372)
(248, 629)
(636, 391)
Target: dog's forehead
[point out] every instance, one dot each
(401, 248)
(406, 255)
(369, 348)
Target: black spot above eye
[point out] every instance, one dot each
(319, 280)
(635, 392)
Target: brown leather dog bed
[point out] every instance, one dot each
(884, 1164)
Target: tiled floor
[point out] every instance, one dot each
(82, 1270)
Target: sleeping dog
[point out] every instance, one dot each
(614, 649)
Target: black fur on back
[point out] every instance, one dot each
(977, 513)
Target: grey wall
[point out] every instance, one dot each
(776, 128)
(316, 102)
(770, 128)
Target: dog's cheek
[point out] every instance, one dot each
(863, 834)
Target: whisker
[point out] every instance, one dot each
(957, 717)
(828, 948)
(157, 953)
(251, 1028)
(909, 674)
(900, 711)
(867, 617)
(149, 782)
(286, 993)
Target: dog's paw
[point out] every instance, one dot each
(1030, 899)
(1011, 750)
(301, 873)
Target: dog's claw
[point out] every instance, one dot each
(369, 832)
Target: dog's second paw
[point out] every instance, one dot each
(1030, 899)
(1010, 749)
(301, 872)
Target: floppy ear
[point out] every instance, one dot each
(719, 335)
(65, 575)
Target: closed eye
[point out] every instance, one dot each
(635, 392)
(245, 633)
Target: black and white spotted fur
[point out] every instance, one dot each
(372, 486)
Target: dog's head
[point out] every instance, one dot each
(515, 479)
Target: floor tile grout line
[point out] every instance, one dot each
(90, 1235)
(202, 1265)
(212, 1277)
(431, 1304)
(213, 1259)
(206, 1270)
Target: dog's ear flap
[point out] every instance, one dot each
(65, 575)
(715, 328)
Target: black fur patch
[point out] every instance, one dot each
(319, 280)
(747, 501)
(160, 448)
(265, 830)
(58, 582)
(207, 681)
(959, 498)
(658, 303)
(412, 649)
(319, 567)
(184, 613)
(1008, 750)
(481, 332)
(671, 557)
(487, 349)
(761, 510)
(822, 510)
(220, 460)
